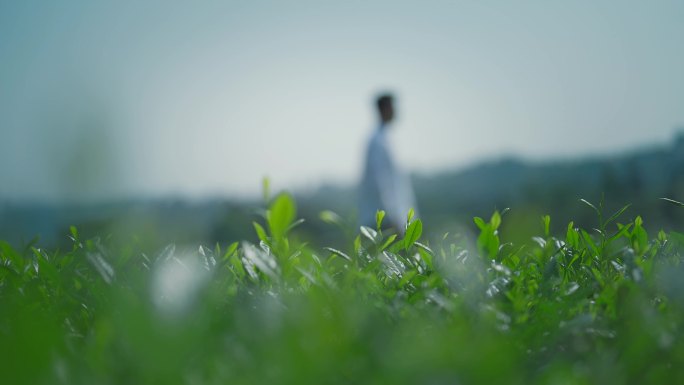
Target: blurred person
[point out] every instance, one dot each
(383, 185)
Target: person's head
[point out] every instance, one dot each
(385, 108)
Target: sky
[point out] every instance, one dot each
(121, 99)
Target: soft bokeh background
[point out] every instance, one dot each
(115, 100)
(129, 100)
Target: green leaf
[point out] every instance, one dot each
(238, 268)
(408, 276)
(662, 237)
(638, 222)
(574, 258)
(546, 221)
(74, 232)
(426, 254)
(413, 233)
(8, 253)
(639, 237)
(357, 244)
(424, 247)
(281, 214)
(47, 270)
(496, 220)
(294, 224)
(480, 223)
(330, 217)
(231, 249)
(379, 216)
(261, 233)
(338, 253)
(618, 213)
(488, 242)
(598, 276)
(571, 237)
(590, 242)
(369, 233)
(586, 202)
(308, 276)
(266, 188)
(388, 241)
(677, 238)
(678, 203)
(624, 230)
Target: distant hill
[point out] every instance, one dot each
(447, 202)
(531, 189)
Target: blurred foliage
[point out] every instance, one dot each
(601, 305)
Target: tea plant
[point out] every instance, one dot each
(600, 305)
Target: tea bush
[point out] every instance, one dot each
(593, 306)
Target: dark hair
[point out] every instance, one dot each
(383, 101)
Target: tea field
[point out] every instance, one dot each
(599, 305)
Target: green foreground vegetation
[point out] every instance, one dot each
(592, 306)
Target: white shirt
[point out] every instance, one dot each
(383, 185)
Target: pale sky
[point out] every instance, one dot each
(141, 98)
